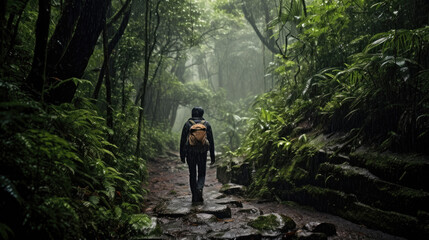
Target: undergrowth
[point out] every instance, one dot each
(60, 176)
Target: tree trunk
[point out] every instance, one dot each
(145, 77)
(13, 33)
(63, 32)
(112, 44)
(109, 112)
(147, 56)
(3, 6)
(173, 114)
(38, 67)
(80, 49)
(267, 42)
(123, 77)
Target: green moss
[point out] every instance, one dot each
(265, 222)
(396, 223)
(289, 223)
(225, 187)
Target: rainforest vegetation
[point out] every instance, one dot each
(92, 90)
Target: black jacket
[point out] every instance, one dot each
(185, 131)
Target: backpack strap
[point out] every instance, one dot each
(193, 122)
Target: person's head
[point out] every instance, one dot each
(197, 112)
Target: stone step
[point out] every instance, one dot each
(407, 170)
(372, 190)
(182, 206)
(347, 206)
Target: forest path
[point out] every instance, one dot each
(225, 216)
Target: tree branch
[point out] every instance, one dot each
(251, 20)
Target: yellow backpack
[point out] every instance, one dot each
(197, 137)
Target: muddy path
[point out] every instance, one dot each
(226, 217)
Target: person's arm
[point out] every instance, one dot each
(212, 148)
(183, 142)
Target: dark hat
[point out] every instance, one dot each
(197, 112)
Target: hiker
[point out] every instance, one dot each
(196, 140)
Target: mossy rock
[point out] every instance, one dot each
(223, 174)
(407, 170)
(390, 222)
(273, 222)
(373, 191)
(232, 189)
(241, 174)
(323, 199)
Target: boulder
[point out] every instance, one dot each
(223, 174)
(241, 174)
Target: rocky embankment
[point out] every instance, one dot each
(226, 214)
(381, 191)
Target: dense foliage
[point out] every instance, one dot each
(91, 90)
(58, 169)
(75, 132)
(355, 68)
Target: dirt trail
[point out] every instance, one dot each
(168, 181)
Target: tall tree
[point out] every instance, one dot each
(266, 38)
(63, 33)
(38, 68)
(148, 50)
(126, 11)
(79, 50)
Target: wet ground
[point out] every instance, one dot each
(225, 217)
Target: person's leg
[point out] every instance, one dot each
(192, 165)
(201, 162)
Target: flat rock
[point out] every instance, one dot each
(232, 189)
(326, 228)
(213, 195)
(236, 233)
(220, 211)
(176, 207)
(201, 218)
(232, 201)
(251, 210)
(182, 206)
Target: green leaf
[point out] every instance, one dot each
(94, 199)
(118, 212)
(6, 232)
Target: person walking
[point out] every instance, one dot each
(196, 140)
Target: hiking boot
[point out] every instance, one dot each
(200, 195)
(194, 198)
